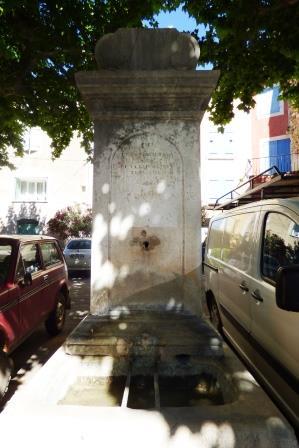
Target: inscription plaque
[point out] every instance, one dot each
(147, 183)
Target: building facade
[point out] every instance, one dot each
(224, 156)
(251, 144)
(38, 186)
(271, 144)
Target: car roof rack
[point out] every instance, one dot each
(270, 184)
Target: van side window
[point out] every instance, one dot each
(280, 244)
(237, 240)
(215, 239)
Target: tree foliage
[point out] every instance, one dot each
(70, 222)
(294, 130)
(44, 42)
(254, 43)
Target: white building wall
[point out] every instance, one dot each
(68, 181)
(224, 156)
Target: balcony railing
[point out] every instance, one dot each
(285, 163)
(251, 183)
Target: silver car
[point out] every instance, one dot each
(77, 254)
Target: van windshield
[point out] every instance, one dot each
(5, 262)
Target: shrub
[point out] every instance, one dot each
(70, 222)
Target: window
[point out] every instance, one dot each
(79, 244)
(280, 245)
(31, 258)
(221, 145)
(237, 239)
(215, 239)
(5, 259)
(50, 254)
(220, 180)
(31, 190)
(20, 272)
(268, 104)
(27, 226)
(276, 152)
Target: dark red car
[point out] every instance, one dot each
(33, 289)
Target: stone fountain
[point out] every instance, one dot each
(144, 368)
(146, 102)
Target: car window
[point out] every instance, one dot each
(31, 258)
(5, 260)
(280, 244)
(79, 244)
(50, 254)
(20, 272)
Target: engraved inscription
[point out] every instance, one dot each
(146, 176)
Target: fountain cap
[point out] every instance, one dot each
(147, 49)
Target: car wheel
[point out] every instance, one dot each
(215, 315)
(6, 366)
(55, 322)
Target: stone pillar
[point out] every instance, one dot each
(146, 101)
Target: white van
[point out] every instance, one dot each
(252, 291)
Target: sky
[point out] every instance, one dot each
(177, 19)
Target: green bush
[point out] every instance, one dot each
(70, 222)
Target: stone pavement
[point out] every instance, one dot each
(61, 403)
(30, 356)
(78, 401)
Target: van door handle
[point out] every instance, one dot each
(46, 277)
(257, 296)
(244, 286)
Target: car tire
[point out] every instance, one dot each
(55, 322)
(215, 315)
(6, 367)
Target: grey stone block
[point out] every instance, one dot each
(147, 49)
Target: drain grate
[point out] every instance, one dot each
(142, 392)
(146, 391)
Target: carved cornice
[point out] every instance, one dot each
(162, 95)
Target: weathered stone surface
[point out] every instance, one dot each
(146, 233)
(126, 333)
(167, 95)
(147, 49)
(146, 204)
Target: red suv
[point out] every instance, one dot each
(33, 289)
